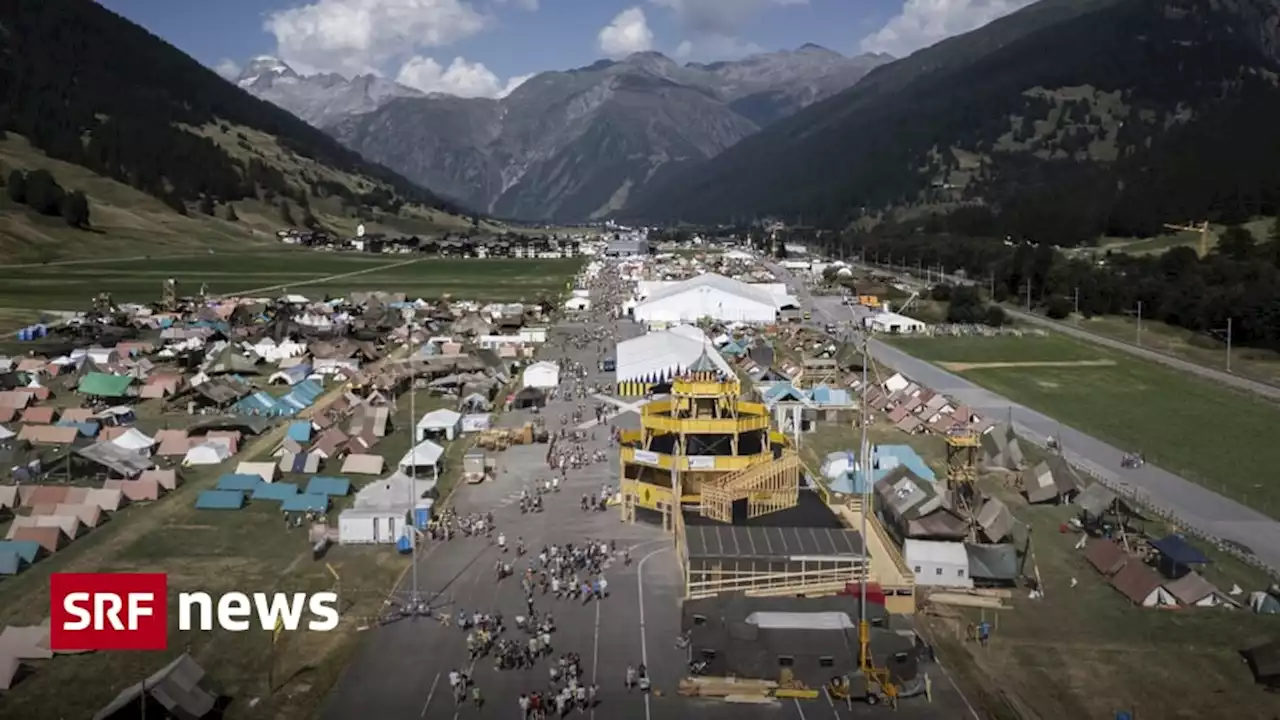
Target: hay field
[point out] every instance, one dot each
(72, 286)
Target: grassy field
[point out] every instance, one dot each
(1084, 651)
(249, 550)
(72, 287)
(1208, 434)
(1202, 349)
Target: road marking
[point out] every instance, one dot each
(973, 713)
(832, 703)
(644, 645)
(429, 696)
(595, 656)
(798, 708)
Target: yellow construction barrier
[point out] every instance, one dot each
(789, 694)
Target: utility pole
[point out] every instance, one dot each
(413, 470)
(1028, 294)
(1228, 344)
(1226, 335)
(1139, 322)
(991, 287)
(1077, 303)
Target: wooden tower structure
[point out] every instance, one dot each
(706, 446)
(962, 463)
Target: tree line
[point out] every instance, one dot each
(39, 191)
(1238, 280)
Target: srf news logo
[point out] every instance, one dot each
(129, 611)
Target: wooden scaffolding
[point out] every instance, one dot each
(962, 464)
(767, 487)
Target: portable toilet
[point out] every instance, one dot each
(422, 514)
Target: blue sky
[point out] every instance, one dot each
(485, 47)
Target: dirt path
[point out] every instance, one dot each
(962, 366)
(317, 281)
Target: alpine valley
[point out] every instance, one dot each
(562, 146)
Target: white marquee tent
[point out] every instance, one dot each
(665, 353)
(543, 374)
(712, 296)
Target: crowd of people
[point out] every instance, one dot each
(557, 571)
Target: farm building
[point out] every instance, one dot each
(893, 323)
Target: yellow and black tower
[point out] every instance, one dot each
(704, 445)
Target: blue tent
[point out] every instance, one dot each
(330, 486)
(279, 492)
(220, 500)
(300, 431)
(84, 429)
(27, 550)
(306, 502)
(1176, 554)
(239, 483)
(10, 563)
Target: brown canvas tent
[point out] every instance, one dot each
(139, 490)
(180, 690)
(1106, 557)
(49, 538)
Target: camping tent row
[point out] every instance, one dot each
(233, 489)
(1143, 586)
(20, 644)
(53, 516)
(302, 396)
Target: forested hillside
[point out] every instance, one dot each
(1061, 123)
(93, 89)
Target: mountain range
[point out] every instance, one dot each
(1065, 121)
(570, 145)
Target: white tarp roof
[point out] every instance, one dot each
(773, 294)
(440, 419)
(6, 433)
(657, 352)
(423, 454)
(935, 552)
(801, 621)
(131, 439)
(207, 453)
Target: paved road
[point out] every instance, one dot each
(1197, 506)
(1222, 377)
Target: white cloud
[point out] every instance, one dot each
(461, 78)
(723, 18)
(628, 33)
(356, 36)
(227, 68)
(925, 22)
(513, 83)
(707, 48)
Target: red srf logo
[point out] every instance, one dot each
(108, 611)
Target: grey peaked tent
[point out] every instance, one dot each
(179, 690)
